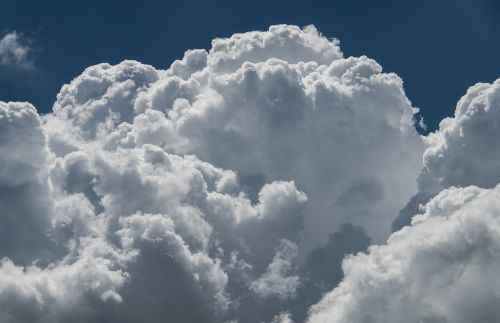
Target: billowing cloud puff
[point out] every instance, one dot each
(471, 132)
(259, 104)
(464, 151)
(115, 215)
(205, 192)
(442, 268)
(63, 291)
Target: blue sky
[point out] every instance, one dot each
(439, 48)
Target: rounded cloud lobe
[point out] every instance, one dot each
(440, 269)
(209, 191)
(442, 263)
(464, 151)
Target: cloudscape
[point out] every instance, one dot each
(270, 178)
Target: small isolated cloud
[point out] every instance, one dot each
(15, 51)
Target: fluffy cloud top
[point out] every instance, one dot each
(471, 132)
(231, 186)
(442, 266)
(464, 151)
(276, 105)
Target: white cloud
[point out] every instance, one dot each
(25, 202)
(264, 119)
(260, 103)
(471, 132)
(142, 230)
(195, 213)
(196, 193)
(443, 268)
(23, 152)
(15, 51)
(464, 151)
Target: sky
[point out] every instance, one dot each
(249, 162)
(439, 48)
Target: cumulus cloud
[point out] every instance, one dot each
(440, 265)
(15, 51)
(463, 151)
(259, 103)
(442, 268)
(226, 187)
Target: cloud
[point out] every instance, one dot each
(471, 132)
(60, 292)
(440, 265)
(442, 268)
(274, 112)
(278, 281)
(24, 198)
(15, 51)
(259, 103)
(464, 151)
(192, 223)
(283, 317)
(204, 192)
